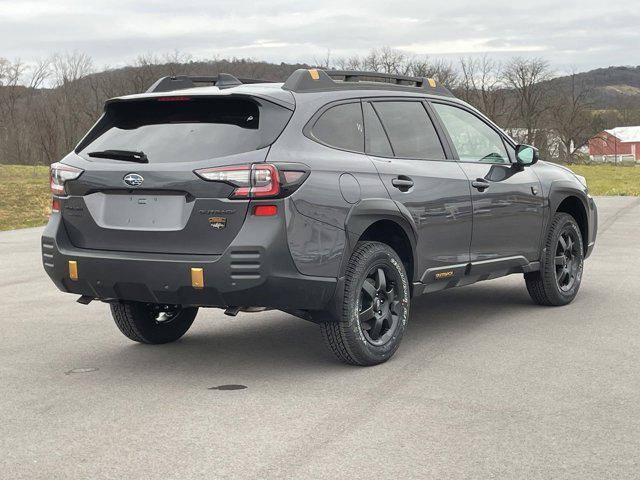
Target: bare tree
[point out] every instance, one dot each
(441, 70)
(481, 86)
(528, 79)
(571, 117)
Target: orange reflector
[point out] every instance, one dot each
(197, 278)
(73, 270)
(265, 210)
(432, 82)
(314, 74)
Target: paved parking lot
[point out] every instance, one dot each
(485, 385)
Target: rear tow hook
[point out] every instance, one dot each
(85, 300)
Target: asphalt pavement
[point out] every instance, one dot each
(485, 385)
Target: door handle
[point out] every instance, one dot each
(481, 184)
(402, 183)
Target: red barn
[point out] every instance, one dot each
(616, 145)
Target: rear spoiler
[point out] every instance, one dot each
(182, 82)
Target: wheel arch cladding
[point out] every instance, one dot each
(574, 206)
(391, 233)
(381, 220)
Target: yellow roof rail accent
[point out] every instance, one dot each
(432, 82)
(314, 74)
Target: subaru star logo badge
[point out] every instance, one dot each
(133, 179)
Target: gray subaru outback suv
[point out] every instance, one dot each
(335, 196)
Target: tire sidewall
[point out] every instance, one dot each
(563, 297)
(144, 323)
(380, 255)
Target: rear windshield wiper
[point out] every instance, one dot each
(124, 155)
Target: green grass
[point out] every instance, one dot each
(25, 198)
(609, 179)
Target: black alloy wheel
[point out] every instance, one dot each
(379, 306)
(568, 261)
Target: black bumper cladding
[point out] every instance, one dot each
(255, 270)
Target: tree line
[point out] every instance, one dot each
(47, 106)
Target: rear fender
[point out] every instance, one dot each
(370, 211)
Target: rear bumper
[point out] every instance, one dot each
(255, 270)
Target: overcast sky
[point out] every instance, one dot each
(570, 34)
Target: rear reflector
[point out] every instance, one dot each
(73, 270)
(55, 205)
(265, 210)
(197, 278)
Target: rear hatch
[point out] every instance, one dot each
(161, 205)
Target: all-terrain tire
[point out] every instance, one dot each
(349, 339)
(544, 286)
(144, 322)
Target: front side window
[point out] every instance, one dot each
(410, 130)
(474, 140)
(341, 127)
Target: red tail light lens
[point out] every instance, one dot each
(265, 210)
(55, 205)
(250, 181)
(59, 174)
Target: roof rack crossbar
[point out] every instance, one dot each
(353, 76)
(318, 80)
(182, 82)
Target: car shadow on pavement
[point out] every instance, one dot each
(274, 343)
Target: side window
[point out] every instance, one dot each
(410, 130)
(375, 140)
(341, 127)
(474, 140)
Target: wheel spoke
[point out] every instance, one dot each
(563, 243)
(366, 314)
(391, 296)
(560, 260)
(381, 281)
(563, 275)
(393, 307)
(570, 244)
(369, 288)
(377, 327)
(391, 321)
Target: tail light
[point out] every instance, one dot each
(260, 180)
(59, 174)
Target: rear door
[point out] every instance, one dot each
(162, 205)
(507, 200)
(406, 150)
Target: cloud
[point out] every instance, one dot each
(581, 34)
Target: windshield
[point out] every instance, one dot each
(175, 129)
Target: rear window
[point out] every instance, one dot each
(185, 130)
(341, 127)
(410, 130)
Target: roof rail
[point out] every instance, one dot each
(181, 82)
(314, 79)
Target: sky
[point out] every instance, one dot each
(571, 35)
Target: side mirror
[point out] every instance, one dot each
(526, 155)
